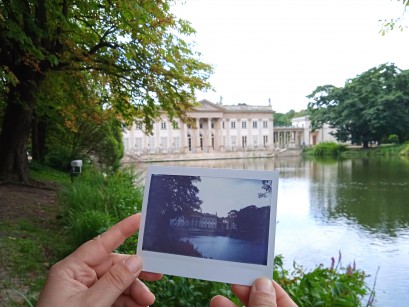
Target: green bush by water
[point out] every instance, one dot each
(326, 149)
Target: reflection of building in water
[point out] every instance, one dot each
(202, 221)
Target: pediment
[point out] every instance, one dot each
(206, 105)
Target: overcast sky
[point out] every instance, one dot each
(221, 195)
(284, 49)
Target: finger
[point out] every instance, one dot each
(262, 293)
(114, 282)
(113, 259)
(140, 293)
(221, 301)
(242, 293)
(126, 301)
(283, 299)
(148, 276)
(95, 251)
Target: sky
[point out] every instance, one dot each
(283, 49)
(221, 195)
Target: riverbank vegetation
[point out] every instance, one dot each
(94, 202)
(334, 150)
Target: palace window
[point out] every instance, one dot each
(175, 125)
(163, 125)
(176, 143)
(233, 125)
(265, 140)
(138, 125)
(164, 143)
(265, 124)
(244, 125)
(254, 124)
(138, 144)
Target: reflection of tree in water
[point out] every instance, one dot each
(170, 196)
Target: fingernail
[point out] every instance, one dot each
(133, 263)
(263, 284)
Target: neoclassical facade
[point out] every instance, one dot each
(215, 128)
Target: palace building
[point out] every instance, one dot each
(216, 128)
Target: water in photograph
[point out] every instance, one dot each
(357, 207)
(228, 249)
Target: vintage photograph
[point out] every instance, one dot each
(210, 214)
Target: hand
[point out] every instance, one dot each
(263, 293)
(94, 276)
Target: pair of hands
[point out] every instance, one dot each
(95, 276)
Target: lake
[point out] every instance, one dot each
(229, 249)
(358, 208)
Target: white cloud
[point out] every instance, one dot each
(284, 49)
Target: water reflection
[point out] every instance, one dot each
(370, 192)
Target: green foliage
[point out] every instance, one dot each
(393, 138)
(179, 291)
(95, 202)
(328, 149)
(368, 108)
(60, 62)
(284, 120)
(44, 173)
(404, 151)
(333, 286)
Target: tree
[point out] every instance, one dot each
(391, 24)
(284, 120)
(170, 197)
(132, 50)
(368, 108)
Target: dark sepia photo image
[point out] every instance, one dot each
(210, 217)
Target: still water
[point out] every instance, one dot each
(358, 207)
(229, 249)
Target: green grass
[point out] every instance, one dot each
(27, 252)
(47, 174)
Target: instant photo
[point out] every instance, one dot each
(212, 224)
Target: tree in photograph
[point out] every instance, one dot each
(266, 185)
(170, 197)
(134, 51)
(253, 222)
(370, 107)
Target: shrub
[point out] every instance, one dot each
(328, 149)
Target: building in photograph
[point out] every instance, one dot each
(200, 220)
(196, 220)
(215, 128)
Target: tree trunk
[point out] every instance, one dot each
(15, 132)
(38, 137)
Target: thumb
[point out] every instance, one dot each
(115, 281)
(262, 293)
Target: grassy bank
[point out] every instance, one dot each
(94, 202)
(329, 149)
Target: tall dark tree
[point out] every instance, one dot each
(134, 50)
(170, 196)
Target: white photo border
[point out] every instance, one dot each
(204, 268)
